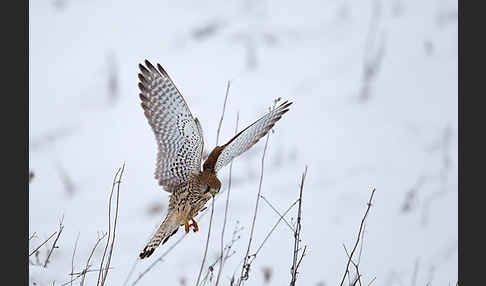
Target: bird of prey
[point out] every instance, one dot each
(180, 144)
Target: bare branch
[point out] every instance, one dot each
(107, 266)
(275, 210)
(359, 235)
(246, 267)
(361, 245)
(100, 274)
(222, 114)
(254, 255)
(89, 258)
(301, 256)
(132, 269)
(227, 255)
(81, 274)
(61, 227)
(212, 201)
(274, 227)
(298, 228)
(87, 271)
(357, 278)
(37, 248)
(220, 270)
(72, 259)
(109, 226)
(207, 242)
(137, 259)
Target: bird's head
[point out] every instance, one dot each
(210, 183)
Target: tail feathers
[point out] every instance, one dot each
(167, 229)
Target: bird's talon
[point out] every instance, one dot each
(186, 226)
(194, 225)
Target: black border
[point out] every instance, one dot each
(14, 118)
(460, 145)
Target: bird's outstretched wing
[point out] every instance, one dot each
(179, 136)
(222, 155)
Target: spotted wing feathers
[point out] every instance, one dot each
(178, 134)
(222, 155)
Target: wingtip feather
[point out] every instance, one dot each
(162, 70)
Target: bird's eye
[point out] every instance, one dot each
(207, 188)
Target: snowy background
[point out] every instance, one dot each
(374, 86)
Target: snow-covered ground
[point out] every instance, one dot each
(85, 121)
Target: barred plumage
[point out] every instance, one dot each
(177, 133)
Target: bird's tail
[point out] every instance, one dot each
(169, 227)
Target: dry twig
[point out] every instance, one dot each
(278, 213)
(85, 270)
(246, 266)
(207, 242)
(212, 201)
(226, 256)
(220, 270)
(357, 277)
(72, 259)
(254, 255)
(81, 274)
(61, 227)
(358, 238)
(222, 114)
(298, 229)
(45, 241)
(102, 277)
(274, 227)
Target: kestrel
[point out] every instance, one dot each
(180, 143)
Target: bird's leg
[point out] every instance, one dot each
(186, 225)
(194, 224)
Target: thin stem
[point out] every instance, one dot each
(61, 227)
(220, 270)
(295, 263)
(72, 258)
(275, 226)
(115, 224)
(222, 114)
(359, 235)
(89, 258)
(245, 267)
(37, 248)
(207, 243)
